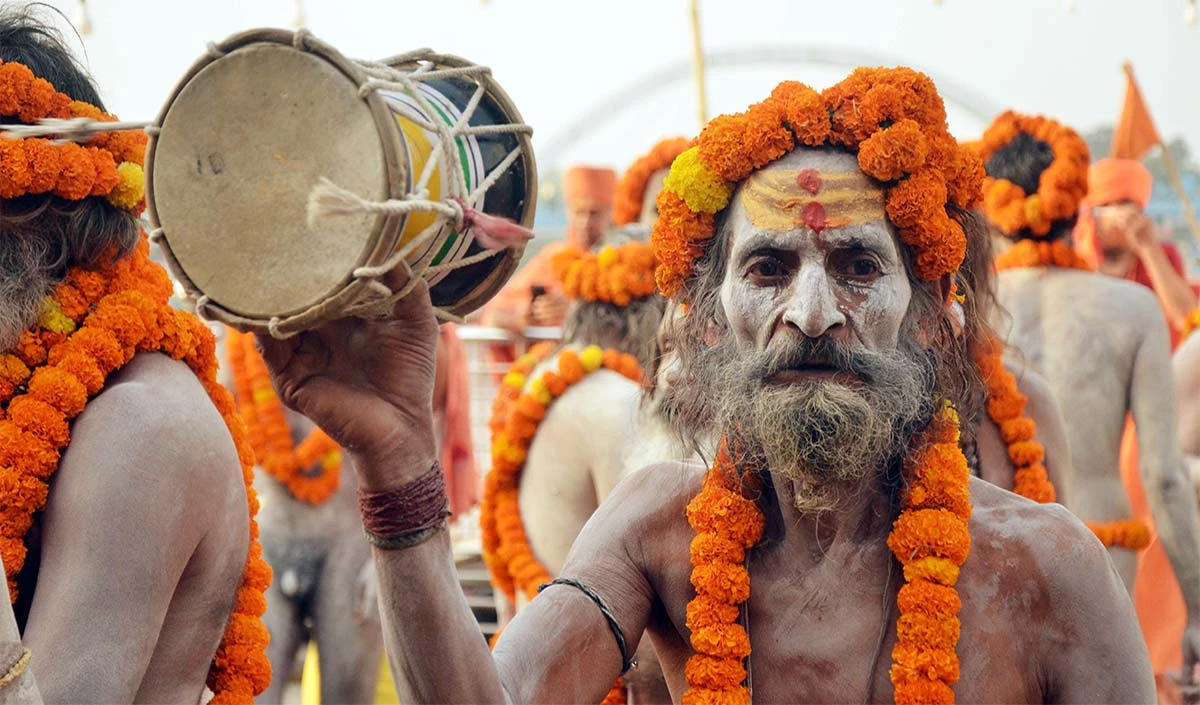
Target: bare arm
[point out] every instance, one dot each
(130, 503)
(1092, 649)
(1043, 408)
(1173, 291)
(1186, 366)
(369, 384)
(1168, 491)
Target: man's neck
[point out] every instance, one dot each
(862, 513)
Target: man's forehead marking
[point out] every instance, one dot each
(783, 199)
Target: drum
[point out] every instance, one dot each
(288, 185)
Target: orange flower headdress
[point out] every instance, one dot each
(614, 275)
(892, 117)
(109, 165)
(1061, 186)
(631, 189)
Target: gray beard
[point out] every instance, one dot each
(826, 437)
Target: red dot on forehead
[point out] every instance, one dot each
(809, 180)
(814, 216)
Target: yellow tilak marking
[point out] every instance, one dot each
(773, 200)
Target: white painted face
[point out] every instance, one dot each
(812, 254)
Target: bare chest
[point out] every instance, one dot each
(827, 636)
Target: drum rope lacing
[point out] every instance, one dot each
(328, 199)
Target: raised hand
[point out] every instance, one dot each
(369, 385)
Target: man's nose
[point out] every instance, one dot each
(811, 307)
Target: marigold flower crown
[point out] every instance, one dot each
(895, 121)
(109, 165)
(614, 275)
(631, 189)
(1061, 187)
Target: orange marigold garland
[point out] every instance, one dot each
(514, 561)
(893, 118)
(109, 165)
(93, 325)
(510, 390)
(631, 189)
(1129, 533)
(1061, 186)
(1006, 409)
(1036, 253)
(614, 275)
(506, 550)
(311, 470)
(930, 539)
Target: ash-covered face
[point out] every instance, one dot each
(812, 255)
(822, 369)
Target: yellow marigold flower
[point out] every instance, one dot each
(539, 391)
(514, 379)
(130, 188)
(53, 318)
(607, 257)
(697, 184)
(262, 395)
(591, 358)
(938, 570)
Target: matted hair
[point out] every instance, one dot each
(44, 230)
(631, 329)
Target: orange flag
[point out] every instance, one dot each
(1135, 132)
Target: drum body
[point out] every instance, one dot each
(261, 120)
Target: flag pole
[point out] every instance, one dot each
(1176, 179)
(698, 64)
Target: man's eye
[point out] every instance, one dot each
(862, 268)
(766, 268)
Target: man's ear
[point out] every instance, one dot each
(945, 286)
(927, 330)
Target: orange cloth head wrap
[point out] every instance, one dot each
(1109, 181)
(589, 186)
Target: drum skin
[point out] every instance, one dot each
(240, 145)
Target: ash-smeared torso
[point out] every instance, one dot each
(1084, 332)
(579, 454)
(822, 619)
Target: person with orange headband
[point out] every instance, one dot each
(534, 297)
(128, 536)
(835, 548)
(1119, 239)
(1105, 355)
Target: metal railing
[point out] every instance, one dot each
(485, 374)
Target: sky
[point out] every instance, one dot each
(600, 82)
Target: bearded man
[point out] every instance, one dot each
(1104, 355)
(817, 344)
(128, 537)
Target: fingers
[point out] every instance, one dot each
(275, 352)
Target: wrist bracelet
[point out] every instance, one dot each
(407, 515)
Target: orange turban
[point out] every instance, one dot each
(589, 186)
(1111, 180)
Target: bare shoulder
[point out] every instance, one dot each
(1043, 552)
(155, 417)
(645, 509)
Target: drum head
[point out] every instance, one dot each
(242, 143)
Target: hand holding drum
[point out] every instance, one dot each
(336, 207)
